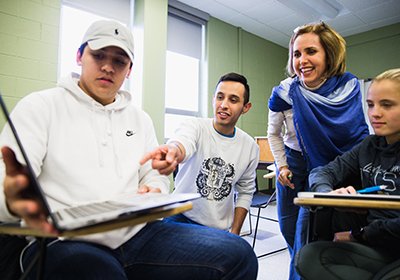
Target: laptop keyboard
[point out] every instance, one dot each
(95, 208)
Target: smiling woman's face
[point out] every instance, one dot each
(309, 59)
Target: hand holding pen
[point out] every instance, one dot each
(285, 176)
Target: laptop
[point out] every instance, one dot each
(122, 207)
(384, 197)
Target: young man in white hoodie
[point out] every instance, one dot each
(85, 139)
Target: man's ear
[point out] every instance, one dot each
(129, 72)
(79, 58)
(246, 108)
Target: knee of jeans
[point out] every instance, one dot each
(234, 246)
(92, 266)
(68, 260)
(244, 259)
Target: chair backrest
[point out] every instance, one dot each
(266, 157)
(389, 272)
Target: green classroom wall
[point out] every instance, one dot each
(263, 62)
(29, 36)
(231, 49)
(150, 19)
(29, 40)
(370, 53)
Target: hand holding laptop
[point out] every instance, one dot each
(147, 189)
(352, 190)
(19, 202)
(344, 190)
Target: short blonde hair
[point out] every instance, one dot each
(391, 74)
(332, 42)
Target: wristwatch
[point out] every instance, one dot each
(358, 235)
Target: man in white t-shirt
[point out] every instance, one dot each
(216, 159)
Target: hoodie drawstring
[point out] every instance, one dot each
(105, 134)
(117, 163)
(96, 133)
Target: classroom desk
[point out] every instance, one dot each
(346, 203)
(15, 229)
(263, 165)
(316, 203)
(270, 167)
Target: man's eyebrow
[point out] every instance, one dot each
(117, 53)
(234, 95)
(122, 53)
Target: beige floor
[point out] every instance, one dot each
(269, 238)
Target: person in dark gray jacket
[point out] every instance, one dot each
(364, 248)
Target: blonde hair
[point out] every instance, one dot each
(333, 44)
(391, 74)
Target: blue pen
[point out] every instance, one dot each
(372, 189)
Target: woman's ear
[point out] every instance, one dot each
(79, 58)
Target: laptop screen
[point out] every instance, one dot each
(33, 191)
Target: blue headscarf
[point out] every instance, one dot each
(328, 121)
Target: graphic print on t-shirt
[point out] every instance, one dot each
(381, 176)
(215, 179)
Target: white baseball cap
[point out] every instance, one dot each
(106, 33)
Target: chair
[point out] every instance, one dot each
(305, 262)
(261, 201)
(388, 272)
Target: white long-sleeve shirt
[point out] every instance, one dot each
(217, 167)
(281, 132)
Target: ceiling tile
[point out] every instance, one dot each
(380, 12)
(346, 22)
(358, 5)
(274, 20)
(267, 13)
(242, 6)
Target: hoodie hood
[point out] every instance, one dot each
(104, 119)
(70, 83)
(380, 143)
(388, 153)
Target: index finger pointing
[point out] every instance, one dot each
(146, 158)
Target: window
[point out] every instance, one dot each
(76, 17)
(183, 87)
(72, 32)
(182, 82)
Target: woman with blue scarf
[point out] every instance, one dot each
(314, 115)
